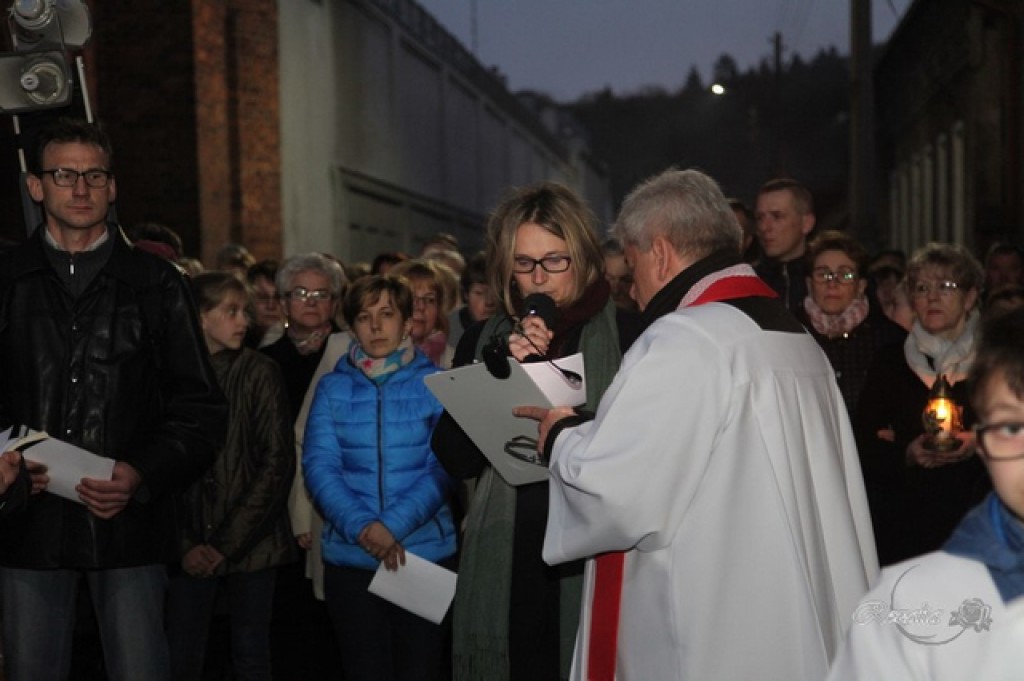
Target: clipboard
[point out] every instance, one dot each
(482, 406)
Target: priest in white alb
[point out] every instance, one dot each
(717, 489)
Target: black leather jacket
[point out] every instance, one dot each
(788, 279)
(122, 371)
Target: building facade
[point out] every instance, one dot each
(949, 102)
(345, 126)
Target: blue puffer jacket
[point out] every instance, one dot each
(367, 457)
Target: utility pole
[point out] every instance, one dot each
(862, 125)
(778, 124)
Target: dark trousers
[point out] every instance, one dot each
(535, 599)
(379, 641)
(39, 621)
(190, 602)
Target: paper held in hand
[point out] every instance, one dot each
(482, 406)
(66, 464)
(420, 586)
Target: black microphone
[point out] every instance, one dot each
(544, 307)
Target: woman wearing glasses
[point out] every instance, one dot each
(514, 616)
(309, 287)
(918, 494)
(429, 281)
(838, 314)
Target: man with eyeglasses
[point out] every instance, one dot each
(100, 347)
(785, 218)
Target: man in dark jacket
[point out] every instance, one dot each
(99, 346)
(785, 217)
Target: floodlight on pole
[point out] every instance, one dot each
(59, 22)
(34, 80)
(38, 75)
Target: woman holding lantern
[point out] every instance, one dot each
(912, 419)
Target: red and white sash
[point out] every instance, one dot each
(738, 281)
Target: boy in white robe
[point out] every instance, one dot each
(943, 615)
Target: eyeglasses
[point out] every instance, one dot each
(823, 275)
(944, 288)
(97, 178)
(552, 264)
(424, 301)
(1003, 441)
(301, 295)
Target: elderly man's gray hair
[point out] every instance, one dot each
(686, 207)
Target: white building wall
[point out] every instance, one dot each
(385, 142)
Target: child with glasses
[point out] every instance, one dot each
(938, 616)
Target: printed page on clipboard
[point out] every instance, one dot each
(482, 406)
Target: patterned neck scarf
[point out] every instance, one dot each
(311, 343)
(380, 370)
(833, 325)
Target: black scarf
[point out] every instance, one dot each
(671, 294)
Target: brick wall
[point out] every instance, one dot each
(188, 92)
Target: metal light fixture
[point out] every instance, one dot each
(37, 75)
(941, 418)
(34, 80)
(35, 23)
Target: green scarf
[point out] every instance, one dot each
(481, 610)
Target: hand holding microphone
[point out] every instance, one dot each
(532, 335)
(529, 341)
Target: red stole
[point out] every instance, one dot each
(738, 281)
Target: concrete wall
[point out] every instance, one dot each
(392, 132)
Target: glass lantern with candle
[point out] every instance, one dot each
(941, 418)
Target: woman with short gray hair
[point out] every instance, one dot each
(918, 493)
(309, 288)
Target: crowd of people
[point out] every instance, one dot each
(751, 448)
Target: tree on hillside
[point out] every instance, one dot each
(763, 126)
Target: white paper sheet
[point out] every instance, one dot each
(553, 384)
(66, 464)
(420, 586)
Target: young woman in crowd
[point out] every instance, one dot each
(370, 470)
(515, 616)
(235, 527)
